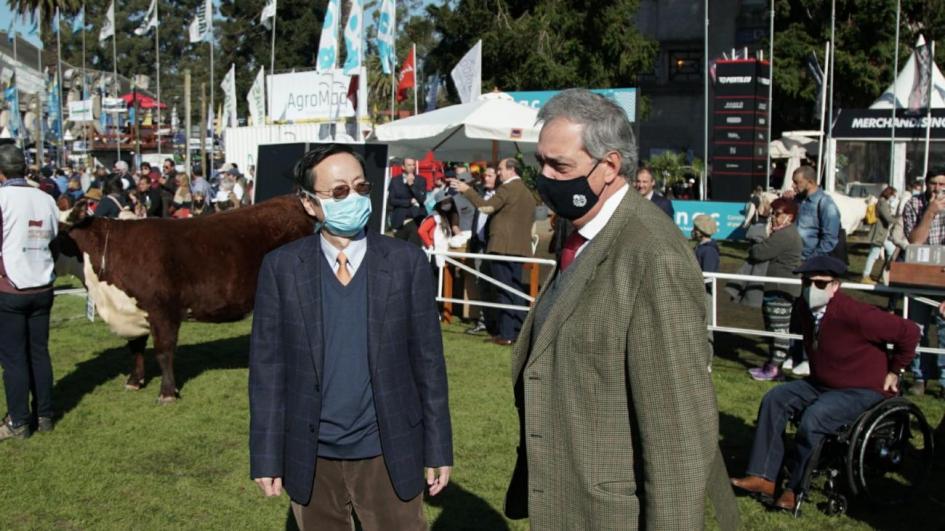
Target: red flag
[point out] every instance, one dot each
(408, 77)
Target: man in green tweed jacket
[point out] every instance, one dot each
(616, 405)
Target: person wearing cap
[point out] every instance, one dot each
(512, 209)
(850, 371)
(781, 250)
(707, 251)
(29, 220)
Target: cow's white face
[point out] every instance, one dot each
(118, 309)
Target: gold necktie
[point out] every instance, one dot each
(343, 275)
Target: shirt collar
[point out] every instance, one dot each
(512, 179)
(355, 251)
(595, 225)
(18, 181)
(649, 196)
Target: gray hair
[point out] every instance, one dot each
(606, 127)
(12, 161)
(121, 165)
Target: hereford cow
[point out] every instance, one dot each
(147, 276)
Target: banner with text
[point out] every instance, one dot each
(80, 111)
(309, 96)
(626, 98)
(729, 216)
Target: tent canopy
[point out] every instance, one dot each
(144, 101)
(898, 93)
(465, 132)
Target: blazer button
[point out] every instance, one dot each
(311, 428)
(317, 389)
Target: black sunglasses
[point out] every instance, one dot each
(820, 283)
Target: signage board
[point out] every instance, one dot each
(309, 96)
(878, 124)
(729, 216)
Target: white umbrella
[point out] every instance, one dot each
(493, 125)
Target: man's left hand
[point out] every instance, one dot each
(437, 479)
(458, 185)
(891, 383)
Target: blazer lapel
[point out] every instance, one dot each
(378, 284)
(582, 272)
(309, 284)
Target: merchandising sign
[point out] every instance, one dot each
(309, 96)
(870, 123)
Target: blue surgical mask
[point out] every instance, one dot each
(346, 217)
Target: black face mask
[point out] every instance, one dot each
(570, 199)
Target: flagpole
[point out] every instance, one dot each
(272, 59)
(157, 55)
(392, 90)
(770, 96)
(895, 103)
(833, 56)
(16, 89)
(62, 121)
(85, 126)
(704, 185)
(928, 120)
(118, 89)
(41, 148)
(416, 79)
(820, 145)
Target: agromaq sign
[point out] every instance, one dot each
(309, 96)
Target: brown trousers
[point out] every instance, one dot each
(362, 486)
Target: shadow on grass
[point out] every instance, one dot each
(733, 347)
(462, 510)
(189, 362)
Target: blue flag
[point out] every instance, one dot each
(55, 111)
(328, 41)
(78, 23)
(354, 39)
(12, 96)
(386, 24)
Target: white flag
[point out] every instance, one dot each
(108, 25)
(202, 26)
(354, 39)
(228, 118)
(256, 99)
(150, 20)
(328, 42)
(268, 12)
(467, 75)
(386, 25)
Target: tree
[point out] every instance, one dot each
(551, 44)
(865, 35)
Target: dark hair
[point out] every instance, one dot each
(644, 168)
(145, 164)
(934, 172)
(12, 161)
(785, 205)
(112, 185)
(144, 178)
(887, 192)
(303, 175)
(807, 172)
(514, 165)
(171, 161)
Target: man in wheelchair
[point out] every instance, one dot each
(850, 371)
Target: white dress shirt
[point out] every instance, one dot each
(354, 252)
(597, 224)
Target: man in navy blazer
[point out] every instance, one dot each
(405, 195)
(644, 183)
(347, 381)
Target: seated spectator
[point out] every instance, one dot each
(150, 198)
(225, 200)
(200, 206)
(182, 196)
(850, 372)
(782, 252)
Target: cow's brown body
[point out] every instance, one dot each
(200, 268)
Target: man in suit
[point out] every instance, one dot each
(347, 382)
(405, 194)
(644, 183)
(850, 372)
(478, 243)
(512, 209)
(619, 425)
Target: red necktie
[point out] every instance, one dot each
(570, 249)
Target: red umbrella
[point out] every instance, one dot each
(144, 101)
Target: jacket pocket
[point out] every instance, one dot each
(619, 488)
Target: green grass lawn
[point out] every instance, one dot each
(117, 460)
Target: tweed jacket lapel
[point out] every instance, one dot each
(309, 285)
(378, 284)
(571, 292)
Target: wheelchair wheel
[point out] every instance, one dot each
(890, 452)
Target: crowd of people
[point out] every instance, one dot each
(123, 192)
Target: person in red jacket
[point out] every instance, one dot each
(850, 371)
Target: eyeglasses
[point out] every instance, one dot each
(820, 283)
(342, 190)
